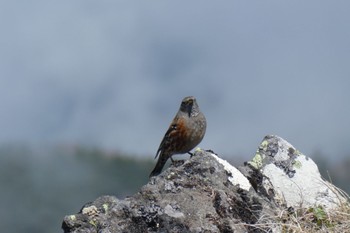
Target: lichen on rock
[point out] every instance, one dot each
(207, 194)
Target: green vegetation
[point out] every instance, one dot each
(317, 219)
(307, 220)
(40, 186)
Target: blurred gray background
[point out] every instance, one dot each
(111, 75)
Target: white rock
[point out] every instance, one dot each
(169, 210)
(237, 177)
(305, 188)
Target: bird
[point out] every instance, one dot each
(185, 132)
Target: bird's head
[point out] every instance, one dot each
(189, 105)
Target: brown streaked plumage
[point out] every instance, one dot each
(185, 132)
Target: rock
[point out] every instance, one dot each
(290, 178)
(207, 194)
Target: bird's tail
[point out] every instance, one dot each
(159, 166)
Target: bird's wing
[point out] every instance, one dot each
(167, 138)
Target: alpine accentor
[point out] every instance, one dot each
(185, 132)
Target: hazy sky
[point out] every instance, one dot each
(112, 73)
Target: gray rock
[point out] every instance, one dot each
(207, 194)
(292, 179)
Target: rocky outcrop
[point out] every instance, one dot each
(207, 194)
(290, 178)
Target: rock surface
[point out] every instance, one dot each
(291, 178)
(207, 194)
